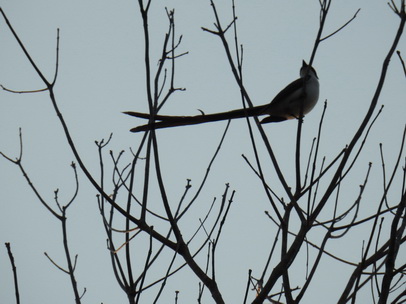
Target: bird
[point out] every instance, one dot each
(296, 99)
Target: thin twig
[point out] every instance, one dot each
(336, 31)
(23, 92)
(402, 62)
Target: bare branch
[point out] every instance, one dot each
(402, 62)
(55, 264)
(336, 31)
(23, 92)
(14, 268)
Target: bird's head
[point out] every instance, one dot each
(307, 70)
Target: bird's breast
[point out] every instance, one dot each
(312, 91)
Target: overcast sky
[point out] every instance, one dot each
(101, 74)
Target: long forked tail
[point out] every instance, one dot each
(164, 121)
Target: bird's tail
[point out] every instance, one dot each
(166, 121)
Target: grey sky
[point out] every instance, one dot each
(101, 74)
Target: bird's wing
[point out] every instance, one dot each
(284, 94)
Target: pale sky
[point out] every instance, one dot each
(101, 74)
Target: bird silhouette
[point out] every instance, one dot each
(299, 97)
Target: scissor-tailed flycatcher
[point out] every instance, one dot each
(299, 97)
